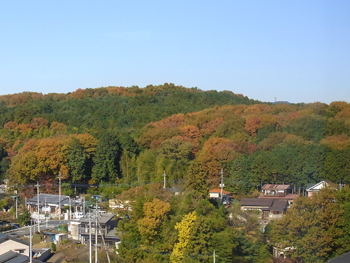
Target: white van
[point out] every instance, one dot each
(78, 215)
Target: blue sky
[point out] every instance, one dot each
(297, 51)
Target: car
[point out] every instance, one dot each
(15, 225)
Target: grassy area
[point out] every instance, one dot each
(37, 238)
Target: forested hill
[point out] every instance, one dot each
(128, 135)
(112, 107)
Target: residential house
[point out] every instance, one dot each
(80, 228)
(216, 194)
(17, 250)
(3, 189)
(268, 208)
(14, 257)
(315, 188)
(50, 203)
(10, 243)
(278, 191)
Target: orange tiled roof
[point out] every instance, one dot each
(218, 190)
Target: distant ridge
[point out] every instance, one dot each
(281, 102)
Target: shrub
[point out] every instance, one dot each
(53, 247)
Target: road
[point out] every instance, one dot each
(24, 231)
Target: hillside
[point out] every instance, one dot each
(128, 135)
(74, 123)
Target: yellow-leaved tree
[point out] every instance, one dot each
(184, 228)
(154, 212)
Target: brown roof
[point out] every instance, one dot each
(287, 197)
(276, 186)
(218, 190)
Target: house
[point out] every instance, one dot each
(216, 194)
(278, 191)
(80, 228)
(17, 250)
(281, 252)
(49, 203)
(14, 257)
(268, 208)
(3, 189)
(315, 188)
(8, 243)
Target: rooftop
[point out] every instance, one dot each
(256, 202)
(276, 187)
(218, 190)
(52, 199)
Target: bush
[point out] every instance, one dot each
(53, 247)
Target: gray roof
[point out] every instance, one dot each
(4, 237)
(52, 199)
(14, 257)
(256, 202)
(270, 204)
(279, 205)
(102, 219)
(345, 258)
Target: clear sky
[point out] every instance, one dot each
(297, 51)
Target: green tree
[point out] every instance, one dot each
(312, 226)
(197, 182)
(106, 159)
(24, 218)
(76, 161)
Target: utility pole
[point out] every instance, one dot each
(96, 229)
(84, 205)
(222, 182)
(16, 206)
(70, 208)
(90, 242)
(59, 196)
(37, 188)
(104, 245)
(164, 179)
(30, 243)
(45, 213)
(214, 256)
